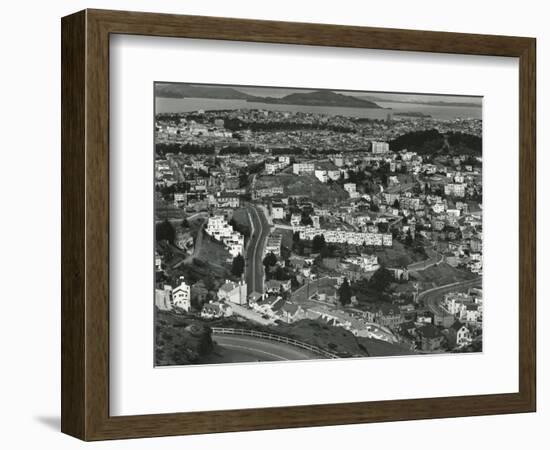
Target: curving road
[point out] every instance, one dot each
(432, 297)
(255, 249)
(234, 348)
(434, 258)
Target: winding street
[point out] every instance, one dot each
(247, 349)
(254, 252)
(434, 258)
(432, 297)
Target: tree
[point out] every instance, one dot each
(396, 203)
(409, 238)
(237, 266)
(199, 294)
(270, 260)
(306, 220)
(318, 243)
(381, 279)
(164, 231)
(296, 237)
(344, 291)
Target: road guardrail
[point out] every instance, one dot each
(275, 338)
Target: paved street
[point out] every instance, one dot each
(248, 349)
(432, 297)
(254, 253)
(434, 258)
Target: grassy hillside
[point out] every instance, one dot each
(305, 185)
(180, 340)
(442, 274)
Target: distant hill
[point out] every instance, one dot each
(317, 98)
(174, 90)
(426, 103)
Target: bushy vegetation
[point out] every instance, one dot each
(427, 142)
(180, 340)
(422, 142)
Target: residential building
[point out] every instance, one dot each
(351, 189)
(273, 244)
(429, 338)
(220, 230)
(303, 167)
(350, 237)
(295, 219)
(455, 189)
(234, 292)
(290, 312)
(458, 335)
(277, 211)
(380, 147)
(181, 296)
(216, 310)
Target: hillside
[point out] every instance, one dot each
(174, 90)
(323, 193)
(318, 98)
(426, 103)
(180, 340)
(431, 142)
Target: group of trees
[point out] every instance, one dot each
(422, 142)
(238, 124)
(168, 192)
(306, 219)
(381, 280)
(269, 261)
(235, 149)
(376, 288)
(427, 142)
(164, 231)
(162, 149)
(345, 293)
(237, 266)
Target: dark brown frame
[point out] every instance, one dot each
(85, 224)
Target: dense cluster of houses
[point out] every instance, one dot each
(219, 229)
(434, 199)
(342, 236)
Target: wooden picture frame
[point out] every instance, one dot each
(85, 224)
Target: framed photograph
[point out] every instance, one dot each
(273, 225)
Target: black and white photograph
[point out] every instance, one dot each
(302, 223)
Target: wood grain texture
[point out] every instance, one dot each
(73, 269)
(85, 224)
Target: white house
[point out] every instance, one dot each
(463, 335)
(277, 211)
(220, 230)
(181, 296)
(380, 147)
(295, 219)
(455, 189)
(234, 292)
(351, 189)
(304, 167)
(273, 244)
(215, 310)
(341, 236)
